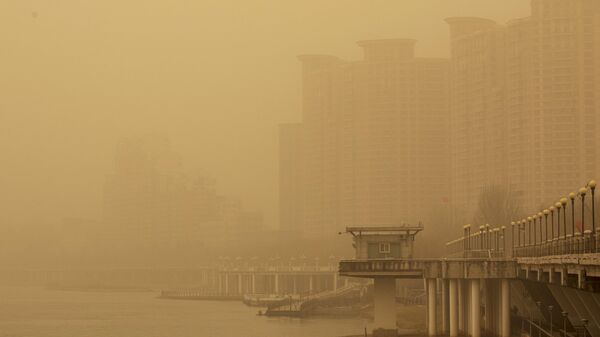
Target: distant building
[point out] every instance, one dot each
(525, 103)
(374, 137)
(150, 201)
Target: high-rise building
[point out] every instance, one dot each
(524, 103)
(149, 200)
(374, 137)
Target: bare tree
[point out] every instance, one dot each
(497, 206)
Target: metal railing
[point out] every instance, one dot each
(549, 232)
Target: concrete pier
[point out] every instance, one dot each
(384, 290)
(475, 314)
(453, 304)
(505, 307)
(431, 307)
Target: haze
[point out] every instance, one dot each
(216, 77)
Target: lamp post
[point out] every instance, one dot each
(539, 215)
(546, 212)
(488, 236)
(592, 185)
(572, 196)
(552, 208)
(563, 202)
(503, 228)
(481, 237)
(558, 206)
(531, 229)
(564, 315)
(512, 236)
(582, 192)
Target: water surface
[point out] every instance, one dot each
(41, 312)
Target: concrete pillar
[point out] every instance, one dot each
(475, 314)
(311, 283)
(431, 307)
(220, 284)
(490, 305)
(505, 308)
(294, 284)
(253, 283)
(226, 284)
(335, 281)
(453, 306)
(276, 276)
(461, 305)
(445, 304)
(385, 303)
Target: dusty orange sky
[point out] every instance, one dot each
(215, 76)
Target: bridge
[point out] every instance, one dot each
(532, 276)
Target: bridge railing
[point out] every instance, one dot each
(573, 232)
(488, 242)
(539, 234)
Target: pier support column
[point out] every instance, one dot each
(384, 305)
(461, 305)
(253, 283)
(335, 281)
(505, 308)
(294, 284)
(226, 284)
(431, 307)
(311, 283)
(475, 314)
(445, 304)
(220, 280)
(492, 307)
(276, 283)
(453, 306)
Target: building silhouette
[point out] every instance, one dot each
(524, 103)
(394, 137)
(151, 202)
(374, 137)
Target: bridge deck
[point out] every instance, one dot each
(430, 268)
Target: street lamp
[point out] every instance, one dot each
(563, 202)
(582, 192)
(532, 228)
(481, 237)
(572, 196)
(546, 212)
(592, 185)
(564, 315)
(558, 206)
(488, 231)
(512, 236)
(552, 208)
(539, 215)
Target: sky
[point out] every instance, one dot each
(217, 77)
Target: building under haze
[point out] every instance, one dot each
(524, 104)
(150, 201)
(372, 148)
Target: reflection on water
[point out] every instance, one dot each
(39, 312)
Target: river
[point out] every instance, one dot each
(41, 312)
